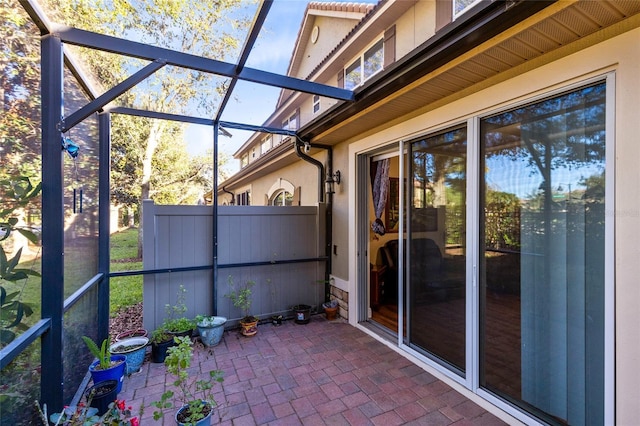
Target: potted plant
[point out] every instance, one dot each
(101, 394)
(241, 298)
(107, 366)
(193, 398)
(331, 309)
(303, 313)
(161, 340)
(140, 332)
(176, 322)
(210, 329)
(134, 349)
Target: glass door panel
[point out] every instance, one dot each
(435, 246)
(542, 216)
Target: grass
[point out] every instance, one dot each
(125, 291)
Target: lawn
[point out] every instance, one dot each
(125, 291)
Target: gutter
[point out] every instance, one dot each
(451, 41)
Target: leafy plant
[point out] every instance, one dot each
(160, 335)
(196, 395)
(206, 321)
(102, 353)
(17, 193)
(240, 296)
(83, 414)
(176, 321)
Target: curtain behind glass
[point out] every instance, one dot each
(542, 293)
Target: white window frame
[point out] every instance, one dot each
(287, 124)
(316, 104)
(266, 144)
(244, 161)
(359, 63)
(464, 9)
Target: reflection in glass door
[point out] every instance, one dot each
(435, 246)
(542, 217)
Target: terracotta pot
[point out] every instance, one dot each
(332, 312)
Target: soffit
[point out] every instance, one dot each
(550, 29)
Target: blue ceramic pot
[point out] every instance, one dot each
(114, 373)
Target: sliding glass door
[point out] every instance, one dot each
(435, 246)
(542, 215)
(516, 307)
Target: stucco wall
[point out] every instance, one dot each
(620, 55)
(415, 27)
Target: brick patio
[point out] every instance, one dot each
(321, 373)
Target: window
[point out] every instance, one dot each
(373, 59)
(244, 161)
(253, 152)
(316, 103)
(291, 123)
(266, 144)
(462, 6)
(244, 198)
(365, 66)
(282, 198)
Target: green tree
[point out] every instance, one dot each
(204, 28)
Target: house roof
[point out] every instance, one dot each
(355, 11)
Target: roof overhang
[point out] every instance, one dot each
(493, 44)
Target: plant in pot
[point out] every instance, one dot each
(193, 397)
(210, 328)
(161, 340)
(107, 366)
(331, 309)
(240, 296)
(134, 349)
(176, 322)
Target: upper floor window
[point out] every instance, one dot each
(253, 152)
(316, 103)
(291, 123)
(244, 160)
(365, 66)
(461, 6)
(266, 144)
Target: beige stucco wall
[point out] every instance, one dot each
(331, 32)
(415, 27)
(300, 174)
(619, 56)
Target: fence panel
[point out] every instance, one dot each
(275, 247)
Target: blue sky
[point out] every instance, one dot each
(253, 103)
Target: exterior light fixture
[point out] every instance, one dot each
(331, 181)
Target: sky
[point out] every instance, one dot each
(253, 103)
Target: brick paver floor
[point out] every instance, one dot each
(320, 373)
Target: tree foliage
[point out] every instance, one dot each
(150, 159)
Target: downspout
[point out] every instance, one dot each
(329, 214)
(233, 195)
(316, 163)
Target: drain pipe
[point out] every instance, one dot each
(316, 163)
(329, 215)
(233, 196)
